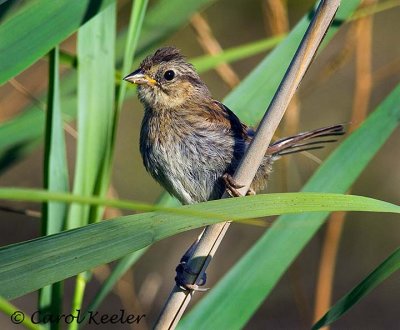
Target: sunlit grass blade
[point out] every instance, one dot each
(233, 301)
(95, 106)
(16, 314)
(118, 271)
(27, 266)
(96, 44)
(55, 179)
(134, 29)
(208, 62)
(28, 36)
(104, 177)
(380, 274)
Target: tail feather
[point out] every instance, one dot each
(304, 141)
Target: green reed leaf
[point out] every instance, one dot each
(379, 275)
(30, 265)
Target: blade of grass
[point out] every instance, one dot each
(380, 274)
(95, 104)
(361, 100)
(103, 181)
(28, 36)
(134, 29)
(222, 307)
(96, 43)
(30, 265)
(17, 315)
(119, 270)
(55, 179)
(208, 62)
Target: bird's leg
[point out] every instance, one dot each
(232, 186)
(184, 275)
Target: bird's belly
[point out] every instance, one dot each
(189, 169)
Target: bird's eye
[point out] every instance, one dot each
(169, 75)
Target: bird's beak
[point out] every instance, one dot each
(138, 77)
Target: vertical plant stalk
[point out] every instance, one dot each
(135, 26)
(55, 179)
(96, 76)
(211, 45)
(363, 78)
(103, 182)
(213, 235)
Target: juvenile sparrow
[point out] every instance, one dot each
(190, 143)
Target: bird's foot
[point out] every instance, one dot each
(232, 186)
(185, 276)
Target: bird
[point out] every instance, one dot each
(191, 143)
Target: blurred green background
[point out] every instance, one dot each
(356, 70)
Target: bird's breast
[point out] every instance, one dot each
(186, 160)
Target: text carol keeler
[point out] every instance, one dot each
(92, 317)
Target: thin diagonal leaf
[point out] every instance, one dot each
(10, 310)
(207, 62)
(380, 274)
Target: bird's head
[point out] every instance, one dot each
(166, 80)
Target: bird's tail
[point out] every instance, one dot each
(305, 141)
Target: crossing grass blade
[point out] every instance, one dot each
(207, 62)
(379, 275)
(29, 265)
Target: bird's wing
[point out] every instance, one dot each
(221, 116)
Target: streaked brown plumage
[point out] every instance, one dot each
(188, 140)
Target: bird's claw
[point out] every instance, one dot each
(184, 275)
(232, 186)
